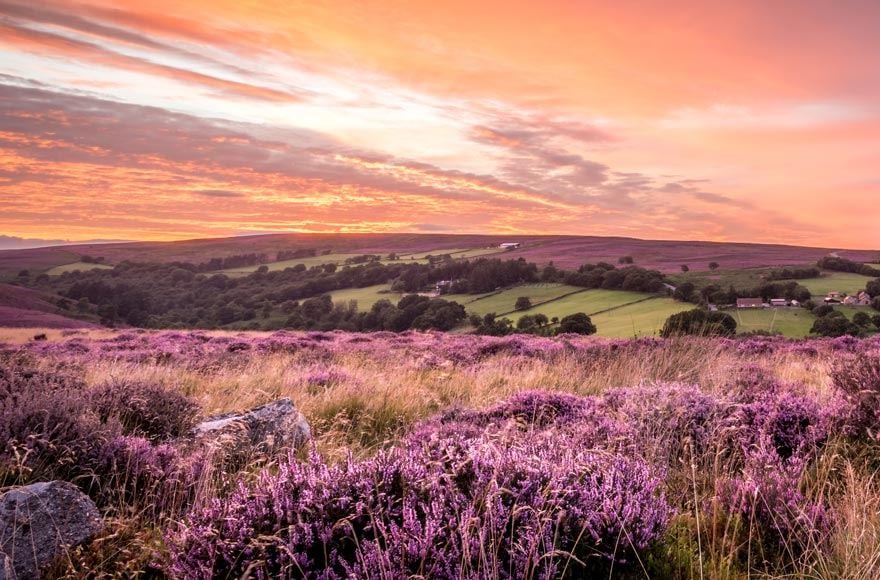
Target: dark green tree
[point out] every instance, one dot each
(578, 323)
(699, 322)
(522, 303)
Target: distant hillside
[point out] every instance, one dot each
(25, 308)
(565, 251)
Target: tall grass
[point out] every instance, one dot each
(364, 395)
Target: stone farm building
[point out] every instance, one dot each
(833, 298)
(749, 303)
(861, 299)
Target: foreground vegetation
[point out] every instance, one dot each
(460, 456)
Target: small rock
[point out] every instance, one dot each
(38, 522)
(277, 425)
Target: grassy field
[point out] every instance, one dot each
(436, 252)
(791, 322)
(76, 267)
(308, 262)
(744, 278)
(849, 311)
(504, 301)
(479, 252)
(365, 297)
(747, 278)
(835, 282)
(338, 259)
(644, 318)
(587, 301)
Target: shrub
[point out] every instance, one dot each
(144, 409)
(578, 323)
(777, 518)
(131, 474)
(858, 379)
(508, 508)
(834, 324)
(699, 322)
(46, 430)
(522, 303)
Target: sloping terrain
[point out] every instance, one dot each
(564, 251)
(26, 308)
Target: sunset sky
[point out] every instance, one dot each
(740, 120)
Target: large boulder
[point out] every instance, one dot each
(38, 522)
(268, 429)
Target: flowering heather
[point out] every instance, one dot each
(145, 409)
(767, 494)
(490, 507)
(858, 378)
(134, 474)
(438, 455)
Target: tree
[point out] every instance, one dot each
(625, 260)
(531, 322)
(699, 322)
(578, 323)
(875, 303)
(823, 310)
(873, 287)
(834, 325)
(684, 292)
(714, 266)
(685, 268)
(861, 319)
(550, 273)
(522, 303)
(876, 320)
(492, 326)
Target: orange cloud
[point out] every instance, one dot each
(731, 120)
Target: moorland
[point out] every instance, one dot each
(438, 408)
(465, 284)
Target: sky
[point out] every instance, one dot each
(729, 121)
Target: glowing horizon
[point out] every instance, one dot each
(161, 121)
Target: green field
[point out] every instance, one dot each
(478, 252)
(849, 311)
(587, 301)
(76, 267)
(741, 279)
(503, 302)
(791, 322)
(438, 252)
(365, 297)
(644, 318)
(844, 282)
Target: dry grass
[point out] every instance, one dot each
(371, 400)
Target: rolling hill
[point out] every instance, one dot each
(564, 251)
(27, 308)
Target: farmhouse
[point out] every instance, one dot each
(778, 302)
(510, 245)
(749, 303)
(863, 299)
(833, 298)
(443, 286)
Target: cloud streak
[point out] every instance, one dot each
(167, 120)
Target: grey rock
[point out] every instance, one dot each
(38, 522)
(267, 429)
